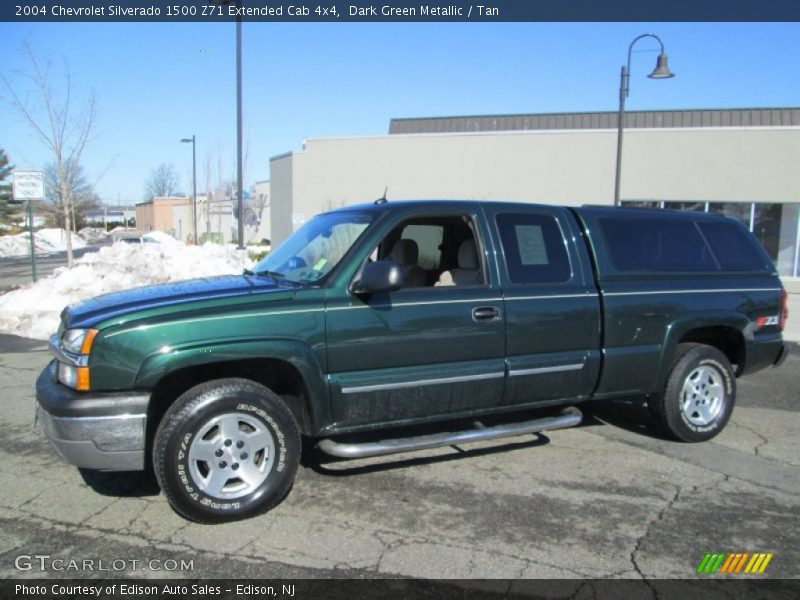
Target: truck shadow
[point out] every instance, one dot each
(630, 414)
(321, 463)
(123, 484)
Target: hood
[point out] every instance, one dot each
(92, 311)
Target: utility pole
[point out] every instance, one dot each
(239, 183)
(193, 141)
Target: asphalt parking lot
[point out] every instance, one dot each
(607, 499)
(16, 271)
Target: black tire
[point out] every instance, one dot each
(251, 439)
(699, 395)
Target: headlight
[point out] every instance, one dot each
(75, 377)
(78, 341)
(72, 354)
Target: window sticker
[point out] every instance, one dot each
(532, 250)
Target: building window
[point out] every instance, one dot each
(736, 210)
(776, 227)
(641, 204)
(686, 206)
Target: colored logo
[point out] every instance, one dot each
(736, 563)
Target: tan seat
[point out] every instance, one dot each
(406, 254)
(469, 270)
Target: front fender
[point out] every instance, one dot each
(298, 354)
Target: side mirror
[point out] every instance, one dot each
(380, 276)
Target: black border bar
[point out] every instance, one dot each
(331, 11)
(744, 588)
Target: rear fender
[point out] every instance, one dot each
(687, 323)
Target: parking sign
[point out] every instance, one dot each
(28, 185)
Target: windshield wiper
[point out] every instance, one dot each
(271, 274)
(278, 278)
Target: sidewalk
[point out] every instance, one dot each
(792, 331)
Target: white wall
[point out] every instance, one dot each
(262, 188)
(216, 218)
(555, 167)
(282, 203)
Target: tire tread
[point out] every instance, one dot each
(666, 415)
(187, 404)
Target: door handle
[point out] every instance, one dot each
(485, 313)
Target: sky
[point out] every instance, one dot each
(157, 83)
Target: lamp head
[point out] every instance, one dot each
(662, 68)
(187, 140)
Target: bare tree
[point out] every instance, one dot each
(246, 159)
(64, 130)
(261, 201)
(225, 188)
(82, 193)
(209, 193)
(163, 181)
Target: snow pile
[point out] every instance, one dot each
(34, 311)
(93, 235)
(47, 241)
(159, 237)
(53, 240)
(14, 245)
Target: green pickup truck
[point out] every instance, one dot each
(396, 314)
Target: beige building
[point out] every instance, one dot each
(260, 203)
(215, 220)
(740, 162)
(173, 215)
(157, 214)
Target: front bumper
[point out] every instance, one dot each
(102, 431)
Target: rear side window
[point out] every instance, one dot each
(534, 248)
(656, 245)
(732, 246)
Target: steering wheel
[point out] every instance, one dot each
(296, 262)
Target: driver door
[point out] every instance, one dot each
(420, 352)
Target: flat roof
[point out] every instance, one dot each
(657, 119)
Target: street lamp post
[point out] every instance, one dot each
(239, 182)
(660, 72)
(192, 141)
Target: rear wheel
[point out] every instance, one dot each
(226, 450)
(699, 395)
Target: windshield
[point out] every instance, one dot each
(315, 249)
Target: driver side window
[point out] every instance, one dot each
(434, 252)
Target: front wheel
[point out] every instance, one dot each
(226, 450)
(699, 395)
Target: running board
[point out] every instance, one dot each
(569, 417)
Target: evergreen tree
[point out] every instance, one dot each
(8, 211)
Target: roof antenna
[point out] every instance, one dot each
(382, 199)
